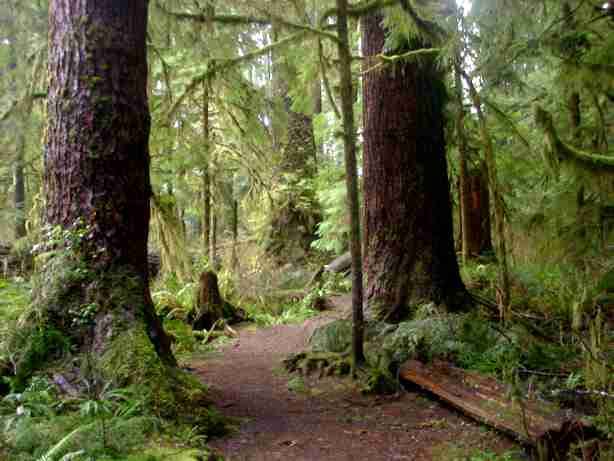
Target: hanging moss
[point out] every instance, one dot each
(559, 151)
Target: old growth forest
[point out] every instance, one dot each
(307, 229)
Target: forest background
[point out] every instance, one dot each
(247, 156)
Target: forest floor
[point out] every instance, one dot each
(290, 417)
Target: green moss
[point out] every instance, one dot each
(169, 392)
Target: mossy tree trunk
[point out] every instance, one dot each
(349, 144)
(497, 199)
(206, 126)
(463, 154)
(97, 176)
(409, 243)
(23, 114)
(293, 222)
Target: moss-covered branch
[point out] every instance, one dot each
(385, 60)
(562, 151)
(233, 19)
(222, 64)
(361, 9)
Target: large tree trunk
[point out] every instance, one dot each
(97, 175)
(409, 244)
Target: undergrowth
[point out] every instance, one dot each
(105, 422)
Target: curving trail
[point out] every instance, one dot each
(325, 419)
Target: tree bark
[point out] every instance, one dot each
(461, 139)
(235, 234)
(409, 243)
(478, 205)
(97, 170)
(206, 175)
(349, 143)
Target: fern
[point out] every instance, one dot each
(54, 452)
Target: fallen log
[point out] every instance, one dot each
(537, 424)
(340, 265)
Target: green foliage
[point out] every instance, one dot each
(34, 348)
(333, 230)
(290, 313)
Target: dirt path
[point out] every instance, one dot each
(286, 418)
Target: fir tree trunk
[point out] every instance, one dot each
(293, 222)
(97, 175)
(206, 175)
(19, 190)
(461, 139)
(410, 254)
(504, 277)
(349, 143)
(215, 263)
(235, 233)
(478, 204)
(20, 187)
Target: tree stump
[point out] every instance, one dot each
(210, 307)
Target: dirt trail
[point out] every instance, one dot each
(325, 419)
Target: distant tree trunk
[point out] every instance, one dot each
(206, 125)
(206, 176)
(235, 233)
(478, 210)
(463, 153)
(19, 189)
(410, 254)
(215, 264)
(97, 175)
(349, 143)
(574, 112)
(293, 223)
(504, 277)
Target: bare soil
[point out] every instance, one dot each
(287, 417)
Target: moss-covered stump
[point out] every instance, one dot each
(210, 308)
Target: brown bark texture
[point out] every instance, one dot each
(478, 213)
(209, 306)
(97, 154)
(409, 244)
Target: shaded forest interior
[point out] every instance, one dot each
(427, 186)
